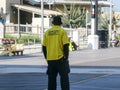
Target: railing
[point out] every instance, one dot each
(35, 30)
(80, 37)
(15, 28)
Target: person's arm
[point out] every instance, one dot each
(44, 51)
(66, 51)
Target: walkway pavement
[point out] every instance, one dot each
(90, 70)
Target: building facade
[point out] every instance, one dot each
(11, 11)
(28, 12)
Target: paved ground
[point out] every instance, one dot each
(90, 70)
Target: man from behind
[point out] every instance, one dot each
(56, 52)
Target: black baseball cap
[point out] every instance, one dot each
(57, 20)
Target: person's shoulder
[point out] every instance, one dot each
(48, 29)
(63, 29)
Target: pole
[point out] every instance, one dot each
(96, 16)
(86, 22)
(110, 27)
(93, 39)
(42, 20)
(2, 25)
(3, 19)
(93, 25)
(19, 23)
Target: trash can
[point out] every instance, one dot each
(103, 38)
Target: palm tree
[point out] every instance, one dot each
(115, 19)
(104, 20)
(74, 18)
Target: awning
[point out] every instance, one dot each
(35, 10)
(100, 3)
(103, 3)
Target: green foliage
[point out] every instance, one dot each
(24, 39)
(74, 18)
(21, 41)
(10, 36)
(31, 38)
(103, 22)
(118, 37)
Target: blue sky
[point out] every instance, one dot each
(116, 5)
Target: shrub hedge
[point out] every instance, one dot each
(24, 39)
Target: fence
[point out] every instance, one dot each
(21, 29)
(78, 35)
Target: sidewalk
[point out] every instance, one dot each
(90, 70)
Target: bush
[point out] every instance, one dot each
(31, 38)
(24, 39)
(10, 36)
(118, 37)
(20, 41)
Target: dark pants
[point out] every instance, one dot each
(74, 46)
(60, 67)
(116, 42)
